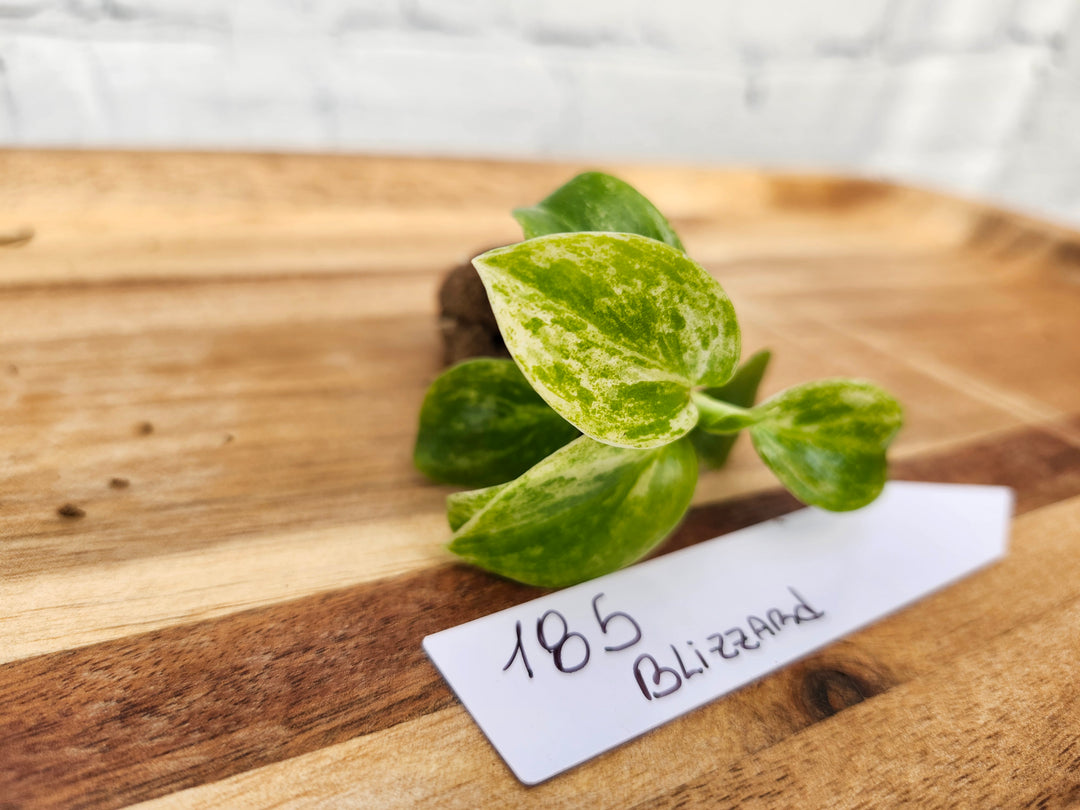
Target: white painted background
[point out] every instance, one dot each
(978, 96)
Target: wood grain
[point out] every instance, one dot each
(692, 762)
(244, 340)
(256, 685)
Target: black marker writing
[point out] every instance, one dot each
(556, 649)
(569, 649)
(519, 649)
(686, 673)
(658, 673)
(727, 645)
(618, 614)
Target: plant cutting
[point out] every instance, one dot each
(625, 377)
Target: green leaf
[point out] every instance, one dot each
(586, 510)
(613, 330)
(481, 423)
(740, 390)
(826, 441)
(460, 506)
(596, 202)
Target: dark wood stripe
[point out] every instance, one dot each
(1041, 468)
(143, 716)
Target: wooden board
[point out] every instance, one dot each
(219, 360)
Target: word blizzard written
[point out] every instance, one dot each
(570, 650)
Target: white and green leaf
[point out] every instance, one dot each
(594, 201)
(826, 440)
(482, 423)
(613, 330)
(586, 510)
(461, 506)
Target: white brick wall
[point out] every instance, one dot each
(980, 96)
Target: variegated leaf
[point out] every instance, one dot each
(460, 506)
(826, 440)
(481, 423)
(586, 510)
(594, 201)
(613, 330)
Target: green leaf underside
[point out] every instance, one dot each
(596, 202)
(586, 510)
(826, 441)
(613, 330)
(741, 390)
(482, 423)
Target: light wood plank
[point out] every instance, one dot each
(273, 319)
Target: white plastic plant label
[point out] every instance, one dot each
(558, 680)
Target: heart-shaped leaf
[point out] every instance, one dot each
(596, 202)
(481, 423)
(826, 441)
(713, 449)
(585, 510)
(613, 330)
